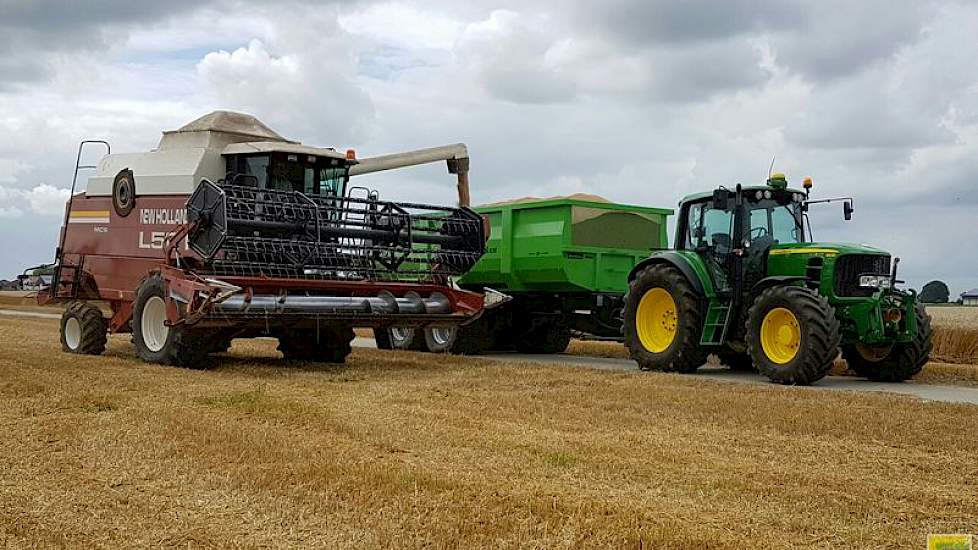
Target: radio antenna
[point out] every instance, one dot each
(770, 169)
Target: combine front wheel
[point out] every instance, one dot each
(181, 346)
(83, 329)
(792, 335)
(663, 321)
(894, 363)
(330, 344)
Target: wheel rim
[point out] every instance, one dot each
(780, 335)
(73, 333)
(656, 320)
(401, 335)
(153, 324)
(442, 335)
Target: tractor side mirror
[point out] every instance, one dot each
(721, 197)
(847, 210)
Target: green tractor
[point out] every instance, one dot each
(746, 283)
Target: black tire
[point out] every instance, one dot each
(124, 192)
(83, 329)
(182, 346)
(474, 338)
(547, 337)
(405, 339)
(440, 339)
(818, 331)
(684, 353)
(382, 337)
(738, 361)
(328, 344)
(900, 362)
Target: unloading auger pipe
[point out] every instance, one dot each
(456, 156)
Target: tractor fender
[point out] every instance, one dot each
(776, 280)
(676, 260)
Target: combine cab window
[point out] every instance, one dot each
(314, 176)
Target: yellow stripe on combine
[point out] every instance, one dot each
(90, 214)
(781, 251)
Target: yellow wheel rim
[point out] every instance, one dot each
(655, 320)
(780, 335)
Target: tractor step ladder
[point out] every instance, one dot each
(717, 322)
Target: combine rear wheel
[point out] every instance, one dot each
(664, 321)
(330, 344)
(83, 329)
(897, 362)
(792, 335)
(181, 346)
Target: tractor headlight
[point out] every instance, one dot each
(874, 281)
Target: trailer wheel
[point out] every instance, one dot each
(894, 363)
(440, 339)
(474, 338)
(792, 335)
(548, 337)
(180, 346)
(83, 329)
(330, 344)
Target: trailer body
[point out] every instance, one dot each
(565, 264)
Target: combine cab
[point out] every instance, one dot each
(228, 230)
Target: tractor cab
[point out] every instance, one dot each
(732, 228)
(282, 166)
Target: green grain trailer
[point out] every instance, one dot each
(565, 263)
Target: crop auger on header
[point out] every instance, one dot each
(228, 230)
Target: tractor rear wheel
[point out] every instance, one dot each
(83, 329)
(792, 335)
(180, 345)
(894, 363)
(330, 344)
(664, 321)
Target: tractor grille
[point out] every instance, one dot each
(849, 267)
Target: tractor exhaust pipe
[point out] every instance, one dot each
(456, 157)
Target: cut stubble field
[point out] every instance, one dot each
(410, 450)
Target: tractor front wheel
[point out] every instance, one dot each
(894, 363)
(664, 321)
(83, 329)
(155, 341)
(792, 335)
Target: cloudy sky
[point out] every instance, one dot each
(640, 101)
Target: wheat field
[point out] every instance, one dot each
(409, 450)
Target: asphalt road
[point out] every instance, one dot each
(929, 392)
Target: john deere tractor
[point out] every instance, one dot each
(746, 283)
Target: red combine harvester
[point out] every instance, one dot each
(228, 230)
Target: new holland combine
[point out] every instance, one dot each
(745, 282)
(228, 230)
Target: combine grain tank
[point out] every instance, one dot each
(564, 261)
(228, 230)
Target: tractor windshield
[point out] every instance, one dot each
(774, 222)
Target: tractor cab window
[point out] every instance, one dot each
(774, 223)
(709, 228)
